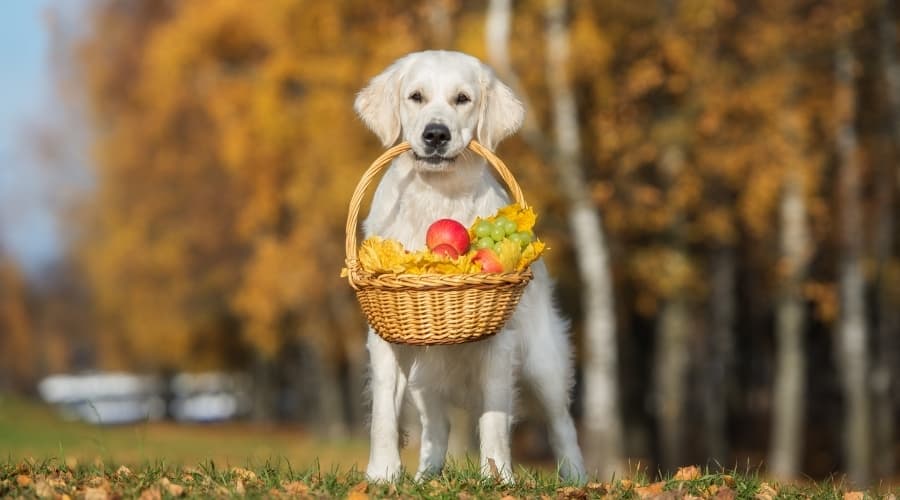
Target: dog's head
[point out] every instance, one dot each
(438, 101)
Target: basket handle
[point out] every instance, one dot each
(385, 159)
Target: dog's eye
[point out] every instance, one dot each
(415, 96)
(462, 99)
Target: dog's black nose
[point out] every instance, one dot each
(436, 135)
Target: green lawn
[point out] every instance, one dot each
(31, 430)
(43, 456)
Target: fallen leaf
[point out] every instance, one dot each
(361, 486)
(597, 488)
(668, 495)
(495, 472)
(728, 480)
(766, 492)
(571, 492)
(688, 473)
(725, 493)
(296, 488)
(23, 481)
(357, 495)
(123, 471)
(854, 495)
(98, 482)
(626, 484)
(650, 490)
(151, 493)
(176, 490)
(95, 494)
(65, 497)
(247, 475)
(43, 489)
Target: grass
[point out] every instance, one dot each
(52, 479)
(29, 430)
(42, 456)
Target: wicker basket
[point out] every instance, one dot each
(433, 309)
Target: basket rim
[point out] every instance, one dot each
(430, 281)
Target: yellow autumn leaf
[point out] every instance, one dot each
(378, 255)
(525, 218)
(530, 253)
(509, 253)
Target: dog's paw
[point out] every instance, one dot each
(383, 473)
(428, 473)
(572, 472)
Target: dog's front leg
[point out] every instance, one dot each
(388, 383)
(496, 417)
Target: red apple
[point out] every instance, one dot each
(489, 261)
(445, 250)
(448, 232)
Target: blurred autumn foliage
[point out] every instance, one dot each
(224, 151)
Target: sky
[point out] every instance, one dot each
(27, 227)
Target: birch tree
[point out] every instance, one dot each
(887, 356)
(786, 445)
(601, 397)
(852, 333)
(602, 418)
(789, 391)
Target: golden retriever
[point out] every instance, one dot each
(438, 101)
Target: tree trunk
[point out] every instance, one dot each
(602, 418)
(884, 374)
(265, 391)
(329, 417)
(349, 325)
(788, 405)
(440, 24)
(852, 334)
(497, 26)
(672, 362)
(671, 357)
(720, 353)
(601, 399)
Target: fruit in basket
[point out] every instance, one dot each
(523, 238)
(514, 250)
(445, 250)
(489, 261)
(447, 232)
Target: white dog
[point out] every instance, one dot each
(438, 101)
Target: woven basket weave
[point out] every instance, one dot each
(433, 309)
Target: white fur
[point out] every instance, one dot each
(481, 375)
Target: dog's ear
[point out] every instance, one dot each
(501, 111)
(379, 103)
